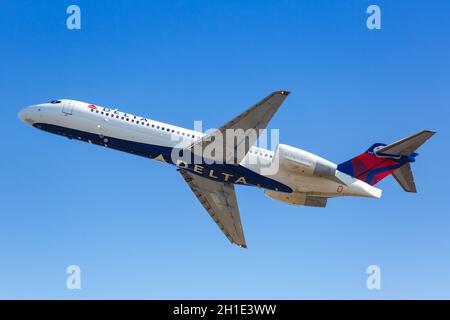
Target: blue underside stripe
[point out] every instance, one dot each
(215, 172)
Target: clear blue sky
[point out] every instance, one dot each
(135, 228)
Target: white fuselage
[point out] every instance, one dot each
(157, 140)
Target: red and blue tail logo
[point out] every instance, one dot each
(372, 167)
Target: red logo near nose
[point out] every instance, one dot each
(92, 106)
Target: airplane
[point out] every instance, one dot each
(301, 178)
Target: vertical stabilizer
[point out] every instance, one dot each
(381, 160)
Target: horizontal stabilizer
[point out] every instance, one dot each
(405, 179)
(408, 145)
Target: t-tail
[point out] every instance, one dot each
(382, 160)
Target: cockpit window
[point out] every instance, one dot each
(55, 101)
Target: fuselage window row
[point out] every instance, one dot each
(144, 123)
(257, 153)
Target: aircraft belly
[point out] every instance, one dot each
(234, 174)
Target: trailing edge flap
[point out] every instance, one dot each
(257, 117)
(219, 199)
(404, 177)
(407, 145)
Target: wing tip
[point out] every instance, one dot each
(240, 245)
(283, 92)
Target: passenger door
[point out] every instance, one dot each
(67, 107)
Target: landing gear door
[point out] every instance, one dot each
(67, 107)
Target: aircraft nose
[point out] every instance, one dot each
(22, 115)
(25, 115)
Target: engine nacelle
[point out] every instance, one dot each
(304, 162)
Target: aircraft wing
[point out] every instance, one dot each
(257, 117)
(219, 199)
